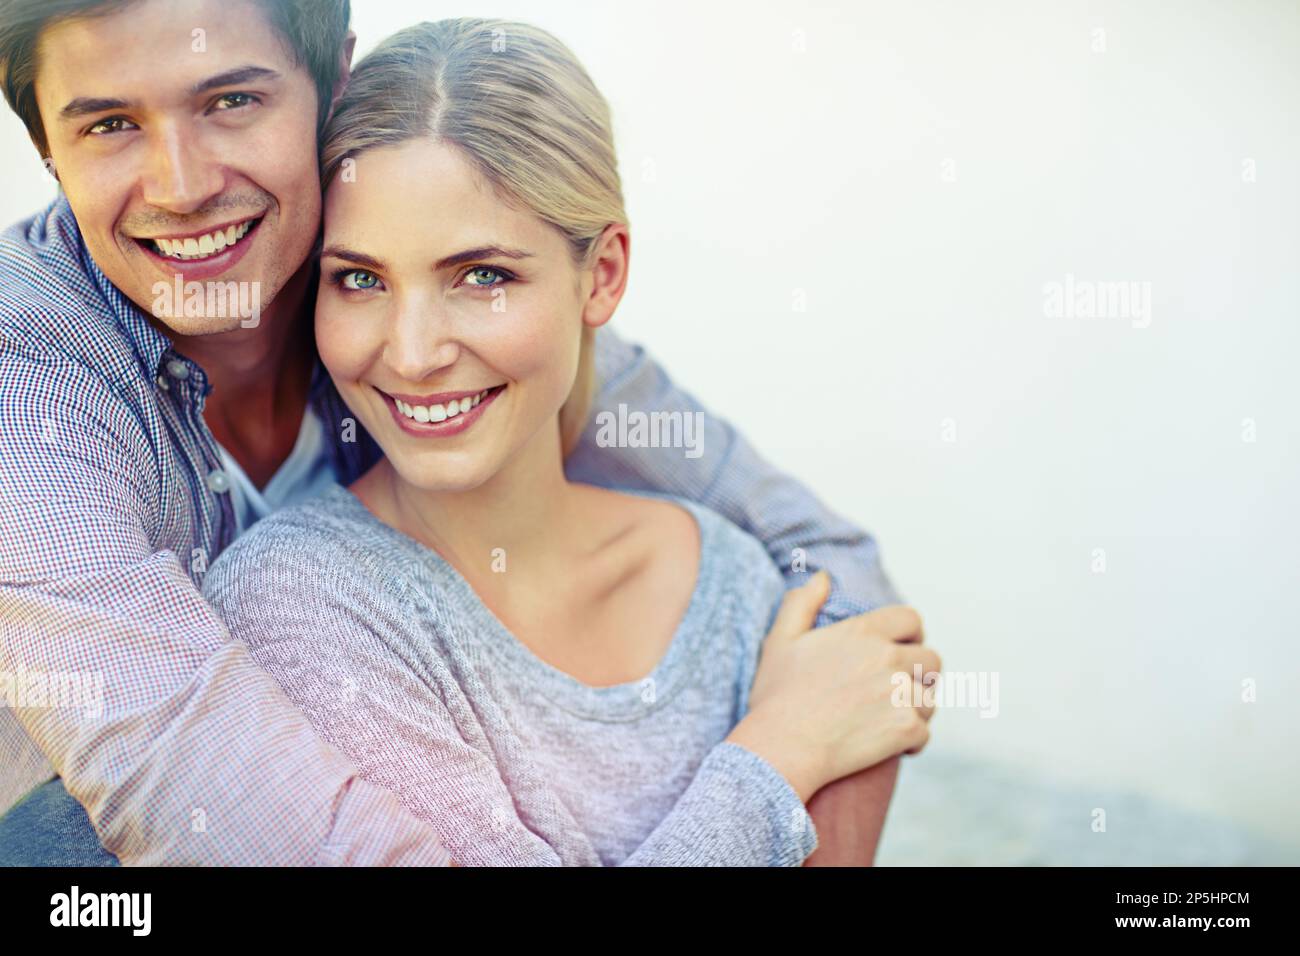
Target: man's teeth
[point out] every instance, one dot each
(440, 413)
(200, 247)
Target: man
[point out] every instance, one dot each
(139, 433)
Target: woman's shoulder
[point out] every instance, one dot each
(730, 558)
(715, 533)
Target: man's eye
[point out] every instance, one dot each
(114, 124)
(483, 277)
(358, 280)
(233, 101)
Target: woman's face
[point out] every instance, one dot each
(450, 321)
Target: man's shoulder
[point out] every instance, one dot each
(51, 306)
(42, 257)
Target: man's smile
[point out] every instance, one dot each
(199, 244)
(201, 254)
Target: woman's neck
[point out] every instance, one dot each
(522, 516)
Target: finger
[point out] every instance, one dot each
(915, 696)
(799, 607)
(927, 659)
(897, 622)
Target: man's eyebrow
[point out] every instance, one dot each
(86, 105)
(469, 255)
(235, 77)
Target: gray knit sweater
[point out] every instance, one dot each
(396, 661)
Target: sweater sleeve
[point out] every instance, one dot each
(738, 811)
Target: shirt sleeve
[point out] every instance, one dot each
(330, 635)
(180, 748)
(724, 473)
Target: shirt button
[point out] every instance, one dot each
(178, 369)
(162, 383)
(218, 481)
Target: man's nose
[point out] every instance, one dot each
(180, 177)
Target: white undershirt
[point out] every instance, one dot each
(306, 473)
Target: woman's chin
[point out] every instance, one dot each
(444, 477)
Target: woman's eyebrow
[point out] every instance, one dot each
(482, 252)
(338, 252)
(458, 258)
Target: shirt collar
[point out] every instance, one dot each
(149, 346)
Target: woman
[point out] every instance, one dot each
(548, 672)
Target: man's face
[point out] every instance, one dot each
(185, 139)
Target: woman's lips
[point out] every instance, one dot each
(453, 425)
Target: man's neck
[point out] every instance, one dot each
(260, 380)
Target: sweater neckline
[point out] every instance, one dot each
(614, 703)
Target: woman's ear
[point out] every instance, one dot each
(609, 262)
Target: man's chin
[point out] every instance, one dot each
(195, 308)
(196, 326)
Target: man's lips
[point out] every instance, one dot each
(215, 227)
(204, 265)
(201, 244)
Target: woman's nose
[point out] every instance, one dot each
(421, 343)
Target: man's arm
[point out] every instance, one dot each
(730, 477)
(181, 749)
(849, 815)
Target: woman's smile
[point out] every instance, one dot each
(441, 415)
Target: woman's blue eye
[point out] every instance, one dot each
(483, 277)
(359, 279)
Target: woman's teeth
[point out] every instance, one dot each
(200, 247)
(440, 413)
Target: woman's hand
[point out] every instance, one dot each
(823, 703)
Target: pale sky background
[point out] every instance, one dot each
(915, 173)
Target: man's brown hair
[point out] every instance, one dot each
(313, 29)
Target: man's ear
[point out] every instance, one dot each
(609, 264)
(345, 67)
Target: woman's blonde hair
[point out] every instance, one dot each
(521, 108)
